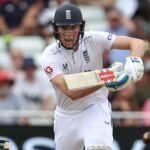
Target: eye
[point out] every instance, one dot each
(69, 27)
(64, 27)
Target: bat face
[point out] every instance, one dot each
(89, 79)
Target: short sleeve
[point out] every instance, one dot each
(50, 64)
(103, 40)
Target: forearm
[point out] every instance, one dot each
(30, 19)
(75, 95)
(137, 47)
(59, 82)
(3, 26)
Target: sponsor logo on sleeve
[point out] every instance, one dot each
(48, 70)
(109, 36)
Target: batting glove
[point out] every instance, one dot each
(122, 78)
(135, 67)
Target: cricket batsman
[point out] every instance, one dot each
(83, 117)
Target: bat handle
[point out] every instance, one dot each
(4, 144)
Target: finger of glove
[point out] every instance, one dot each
(134, 65)
(140, 66)
(139, 69)
(117, 66)
(117, 74)
(130, 68)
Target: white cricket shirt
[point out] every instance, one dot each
(56, 60)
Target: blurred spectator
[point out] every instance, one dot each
(46, 17)
(19, 17)
(102, 3)
(146, 108)
(147, 55)
(9, 100)
(2, 2)
(116, 26)
(123, 102)
(146, 60)
(142, 19)
(56, 3)
(142, 92)
(16, 61)
(33, 88)
(128, 7)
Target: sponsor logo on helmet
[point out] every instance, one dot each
(68, 14)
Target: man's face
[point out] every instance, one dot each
(4, 89)
(68, 35)
(114, 19)
(29, 71)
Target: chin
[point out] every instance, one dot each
(69, 46)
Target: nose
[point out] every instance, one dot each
(69, 35)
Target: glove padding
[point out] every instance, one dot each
(122, 78)
(134, 66)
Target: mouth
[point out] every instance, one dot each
(69, 42)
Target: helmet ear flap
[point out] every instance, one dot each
(55, 33)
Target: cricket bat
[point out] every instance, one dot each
(89, 79)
